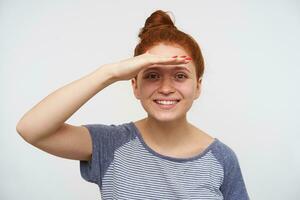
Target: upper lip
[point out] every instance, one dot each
(164, 99)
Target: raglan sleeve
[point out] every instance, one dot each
(233, 187)
(102, 137)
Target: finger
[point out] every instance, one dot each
(173, 61)
(158, 59)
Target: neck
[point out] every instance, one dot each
(166, 134)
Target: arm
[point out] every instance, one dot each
(233, 186)
(44, 125)
(50, 114)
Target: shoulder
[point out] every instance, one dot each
(225, 155)
(111, 128)
(113, 132)
(223, 149)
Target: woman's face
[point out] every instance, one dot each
(167, 92)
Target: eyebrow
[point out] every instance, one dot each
(176, 68)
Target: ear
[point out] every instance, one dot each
(198, 88)
(135, 88)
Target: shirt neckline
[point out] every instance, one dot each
(149, 149)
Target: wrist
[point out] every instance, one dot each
(109, 72)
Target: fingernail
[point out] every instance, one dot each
(174, 57)
(188, 58)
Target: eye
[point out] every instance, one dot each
(181, 76)
(151, 76)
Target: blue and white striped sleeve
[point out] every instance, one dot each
(233, 186)
(103, 142)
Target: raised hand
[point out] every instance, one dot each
(129, 68)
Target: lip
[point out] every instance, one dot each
(164, 99)
(166, 107)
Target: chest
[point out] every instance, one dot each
(137, 174)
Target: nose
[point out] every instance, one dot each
(166, 86)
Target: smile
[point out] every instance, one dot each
(163, 102)
(166, 104)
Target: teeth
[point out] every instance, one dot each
(166, 102)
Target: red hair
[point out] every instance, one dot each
(159, 28)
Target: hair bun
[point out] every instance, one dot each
(157, 20)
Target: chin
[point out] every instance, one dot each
(165, 117)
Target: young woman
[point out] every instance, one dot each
(162, 156)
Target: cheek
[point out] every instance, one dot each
(186, 89)
(147, 89)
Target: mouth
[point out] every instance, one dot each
(166, 103)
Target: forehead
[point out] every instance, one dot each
(167, 50)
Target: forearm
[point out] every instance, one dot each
(50, 113)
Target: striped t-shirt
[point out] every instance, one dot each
(125, 167)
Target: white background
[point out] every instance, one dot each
(250, 93)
